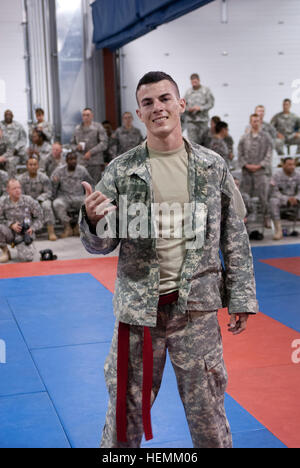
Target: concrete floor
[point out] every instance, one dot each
(72, 248)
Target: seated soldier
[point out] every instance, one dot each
(20, 217)
(68, 192)
(40, 147)
(211, 131)
(41, 124)
(54, 159)
(13, 136)
(3, 182)
(38, 186)
(285, 194)
(287, 125)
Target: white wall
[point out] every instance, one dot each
(12, 66)
(253, 69)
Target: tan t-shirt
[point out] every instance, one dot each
(170, 185)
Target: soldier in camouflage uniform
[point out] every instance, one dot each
(68, 193)
(199, 100)
(41, 124)
(217, 142)
(15, 136)
(111, 151)
(89, 141)
(54, 160)
(127, 136)
(40, 147)
(255, 158)
(38, 186)
(6, 155)
(13, 210)
(3, 182)
(287, 126)
(285, 194)
(184, 318)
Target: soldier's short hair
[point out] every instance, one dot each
(220, 125)
(216, 119)
(39, 110)
(32, 156)
(12, 179)
(71, 153)
(88, 109)
(194, 76)
(287, 100)
(288, 158)
(155, 77)
(253, 116)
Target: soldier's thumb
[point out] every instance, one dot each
(88, 189)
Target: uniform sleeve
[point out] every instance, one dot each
(102, 141)
(267, 161)
(241, 153)
(234, 244)
(210, 101)
(37, 215)
(47, 190)
(104, 244)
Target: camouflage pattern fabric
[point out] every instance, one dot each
(219, 146)
(16, 138)
(287, 125)
(282, 188)
(195, 348)
(3, 182)
(40, 189)
(126, 139)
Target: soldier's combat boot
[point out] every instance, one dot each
(51, 233)
(278, 230)
(68, 231)
(5, 257)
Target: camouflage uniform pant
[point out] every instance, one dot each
(279, 144)
(195, 347)
(25, 252)
(196, 131)
(61, 205)
(256, 185)
(48, 212)
(277, 207)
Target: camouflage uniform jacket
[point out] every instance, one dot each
(3, 182)
(39, 187)
(67, 183)
(286, 124)
(201, 97)
(95, 139)
(127, 139)
(284, 186)
(203, 285)
(15, 136)
(255, 150)
(11, 212)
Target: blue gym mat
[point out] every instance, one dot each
(57, 331)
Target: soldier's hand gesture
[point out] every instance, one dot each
(97, 205)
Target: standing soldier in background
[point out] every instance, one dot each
(287, 125)
(285, 194)
(111, 151)
(14, 210)
(199, 100)
(38, 186)
(41, 124)
(15, 136)
(217, 142)
(68, 192)
(255, 158)
(89, 141)
(127, 136)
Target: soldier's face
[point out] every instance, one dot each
(8, 117)
(87, 117)
(71, 162)
(127, 120)
(14, 190)
(39, 116)
(195, 83)
(32, 166)
(289, 166)
(260, 111)
(255, 123)
(56, 151)
(160, 108)
(286, 106)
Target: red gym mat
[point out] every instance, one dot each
(291, 265)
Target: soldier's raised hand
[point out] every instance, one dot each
(97, 205)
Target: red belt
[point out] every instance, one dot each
(122, 375)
